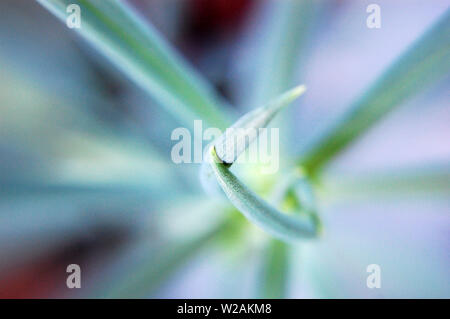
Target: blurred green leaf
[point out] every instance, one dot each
(275, 272)
(427, 61)
(159, 265)
(294, 195)
(412, 182)
(53, 143)
(137, 49)
(285, 35)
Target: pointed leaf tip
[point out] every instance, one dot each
(244, 131)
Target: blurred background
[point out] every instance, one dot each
(86, 176)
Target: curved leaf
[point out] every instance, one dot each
(239, 136)
(235, 141)
(255, 209)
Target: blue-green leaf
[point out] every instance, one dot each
(427, 61)
(137, 49)
(147, 274)
(275, 272)
(255, 209)
(417, 182)
(230, 145)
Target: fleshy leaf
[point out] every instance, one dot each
(239, 136)
(255, 209)
(242, 134)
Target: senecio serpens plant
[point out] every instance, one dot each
(137, 49)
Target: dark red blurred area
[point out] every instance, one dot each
(207, 20)
(45, 276)
(207, 33)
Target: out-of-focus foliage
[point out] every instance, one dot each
(85, 169)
